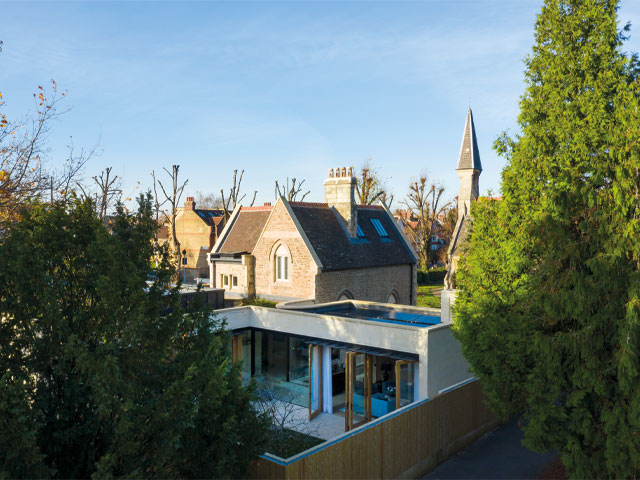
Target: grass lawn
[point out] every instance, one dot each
(426, 298)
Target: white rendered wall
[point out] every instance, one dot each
(447, 365)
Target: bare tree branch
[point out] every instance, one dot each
(423, 210)
(279, 404)
(291, 192)
(233, 199)
(173, 199)
(369, 186)
(108, 190)
(24, 153)
(207, 200)
(157, 203)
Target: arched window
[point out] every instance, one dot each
(282, 265)
(393, 297)
(345, 295)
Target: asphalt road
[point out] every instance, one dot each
(498, 454)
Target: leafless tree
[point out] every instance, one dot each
(370, 187)
(108, 190)
(173, 199)
(291, 193)
(387, 199)
(286, 417)
(208, 200)
(424, 203)
(157, 204)
(233, 199)
(24, 154)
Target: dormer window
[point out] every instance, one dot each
(379, 228)
(282, 261)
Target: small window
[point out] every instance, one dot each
(360, 232)
(235, 281)
(379, 228)
(225, 280)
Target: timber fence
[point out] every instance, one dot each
(406, 443)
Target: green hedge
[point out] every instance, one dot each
(435, 276)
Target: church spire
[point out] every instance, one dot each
(469, 169)
(469, 154)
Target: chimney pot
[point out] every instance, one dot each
(339, 193)
(267, 204)
(190, 204)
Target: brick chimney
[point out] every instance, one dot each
(190, 204)
(340, 193)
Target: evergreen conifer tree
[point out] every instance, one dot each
(103, 374)
(548, 313)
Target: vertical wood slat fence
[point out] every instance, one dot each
(407, 443)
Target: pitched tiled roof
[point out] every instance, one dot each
(246, 229)
(469, 153)
(334, 248)
(210, 217)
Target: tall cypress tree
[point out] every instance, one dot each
(550, 287)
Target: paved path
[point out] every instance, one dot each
(498, 454)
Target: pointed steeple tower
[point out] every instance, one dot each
(469, 153)
(469, 167)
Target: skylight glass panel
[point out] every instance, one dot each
(360, 232)
(379, 228)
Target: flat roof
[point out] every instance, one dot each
(378, 313)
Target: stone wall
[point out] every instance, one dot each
(194, 234)
(280, 229)
(242, 270)
(372, 284)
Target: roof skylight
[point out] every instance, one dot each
(360, 232)
(379, 228)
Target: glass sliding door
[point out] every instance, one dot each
(404, 382)
(358, 389)
(315, 380)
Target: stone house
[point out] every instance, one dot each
(321, 251)
(197, 231)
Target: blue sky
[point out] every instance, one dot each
(281, 89)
